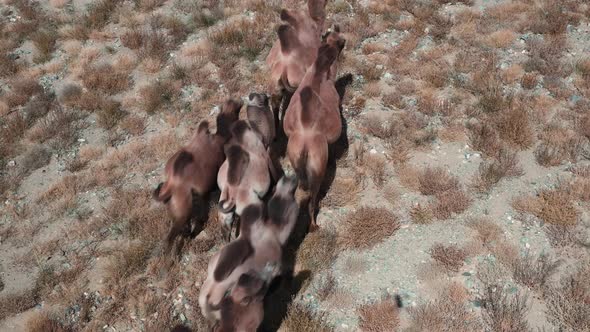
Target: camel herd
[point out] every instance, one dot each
(304, 104)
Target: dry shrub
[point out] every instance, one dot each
(484, 138)
(302, 318)
(451, 257)
(376, 166)
(421, 214)
(21, 90)
(374, 125)
(42, 322)
(501, 38)
(70, 94)
(502, 311)
(435, 180)
(450, 202)
(557, 208)
(515, 128)
(156, 95)
(240, 38)
(448, 312)
(567, 302)
(380, 316)
(535, 272)
(133, 124)
(551, 18)
(59, 126)
(110, 114)
(327, 286)
(372, 90)
(96, 77)
(8, 65)
(529, 81)
(368, 226)
(583, 67)
(491, 171)
(487, 231)
(559, 145)
(126, 263)
(409, 177)
(35, 157)
(16, 303)
(545, 54)
(149, 5)
(99, 13)
(318, 250)
(44, 42)
(344, 191)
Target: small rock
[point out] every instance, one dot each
(182, 318)
(373, 151)
(11, 163)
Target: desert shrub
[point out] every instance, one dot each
(326, 287)
(379, 316)
(375, 126)
(492, 170)
(15, 303)
(514, 127)
(318, 250)
(344, 191)
(487, 230)
(450, 202)
(557, 208)
(21, 89)
(115, 82)
(7, 65)
(149, 5)
(450, 257)
(503, 311)
(535, 272)
(302, 318)
(421, 214)
(583, 67)
(99, 13)
(559, 145)
(70, 94)
(156, 95)
(529, 81)
(368, 226)
(109, 114)
(447, 312)
(568, 301)
(435, 180)
(240, 38)
(35, 157)
(59, 125)
(44, 41)
(126, 263)
(376, 166)
(42, 322)
(483, 137)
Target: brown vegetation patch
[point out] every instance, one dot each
(379, 316)
(368, 226)
(492, 170)
(344, 191)
(318, 250)
(105, 78)
(568, 301)
(436, 180)
(535, 272)
(451, 257)
(450, 202)
(503, 311)
(302, 318)
(449, 311)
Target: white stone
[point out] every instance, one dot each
(11, 163)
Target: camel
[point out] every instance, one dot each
(294, 52)
(246, 175)
(245, 267)
(312, 122)
(188, 172)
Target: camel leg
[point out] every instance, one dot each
(180, 208)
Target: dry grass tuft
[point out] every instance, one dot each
(568, 301)
(421, 214)
(126, 263)
(491, 171)
(515, 128)
(448, 312)
(450, 202)
(529, 81)
(535, 272)
(42, 322)
(368, 226)
(115, 82)
(380, 316)
(318, 250)
(44, 42)
(302, 318)
(110, 114)
(344, 191)
(21, 90)
(551, 206)
(487, 231)
(436, 180)
(154, 96)
(376, 167)
(502, 311)
(451, 257)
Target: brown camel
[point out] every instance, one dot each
(189, 172)
(312, 122)
(294, 51)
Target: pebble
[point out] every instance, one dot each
(373, 151)
(11, 163)
(81, 140)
